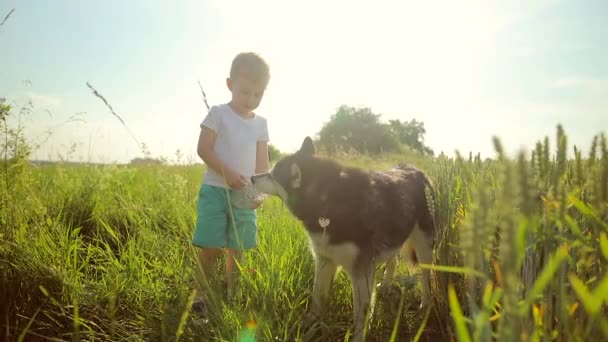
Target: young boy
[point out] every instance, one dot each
(233, 143)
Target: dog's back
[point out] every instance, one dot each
(377, 210)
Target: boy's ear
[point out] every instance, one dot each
(229, 83)
(308, 148)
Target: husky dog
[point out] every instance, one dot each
(355, 219)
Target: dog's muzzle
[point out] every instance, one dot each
(259, 176)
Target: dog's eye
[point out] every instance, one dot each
(281, 175)
(282, 179)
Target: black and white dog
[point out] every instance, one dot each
(355, 219)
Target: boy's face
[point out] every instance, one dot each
(246, 94)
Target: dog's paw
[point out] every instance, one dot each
(357, 336)
(382, 289)
(425, 303)
(311, 319)
(386, 290)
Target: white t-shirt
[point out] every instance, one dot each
(236, 141)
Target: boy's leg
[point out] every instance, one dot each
(210, 233)
(232, 257)
(242, 236)
(207, 261)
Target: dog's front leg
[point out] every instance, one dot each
(325, 270)
(362, 282)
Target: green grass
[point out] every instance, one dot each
(103, 253)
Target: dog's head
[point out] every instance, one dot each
(285, 177)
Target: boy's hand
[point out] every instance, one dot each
(235, 180)
(257, 204)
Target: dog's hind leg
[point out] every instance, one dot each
(389, 272)
(423, 247)
(325, 270)
(362, 282)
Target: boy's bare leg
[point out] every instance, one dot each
(232, 256)
(207, 261)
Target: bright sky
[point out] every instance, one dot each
(468, 69)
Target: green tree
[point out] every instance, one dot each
(410, 133)
(273, 153)
(359, 129)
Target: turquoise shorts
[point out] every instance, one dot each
(220, 224)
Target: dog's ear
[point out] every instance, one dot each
(296, 176)
(308, 148)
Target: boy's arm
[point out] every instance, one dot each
(262, 163)
(206, 141)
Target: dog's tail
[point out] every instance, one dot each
(422, 238)
(419, 245)
(425, 201)
(426, 208)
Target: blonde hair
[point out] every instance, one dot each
(250, 65)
